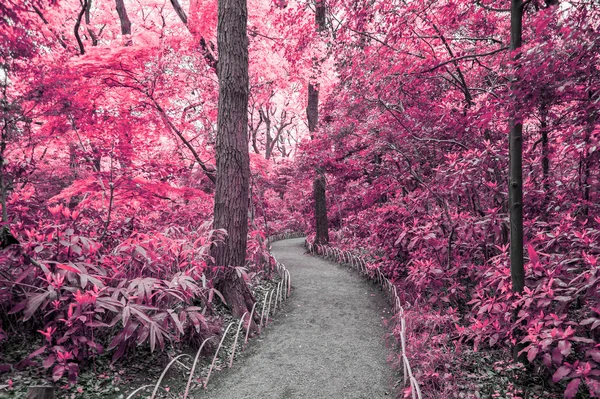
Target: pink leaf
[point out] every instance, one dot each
(531, 353)
(34, 303)
(561, 373)
(557, 356)
(68, 268)
(58, 372)
(49, 361)
(572, 388)
(565, 347)
(533, 256)
(595, 354)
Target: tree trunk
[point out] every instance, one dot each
(312, 114)
(515, 187)
(320, 210)
(3, 179)
(233, 162)
(40, 392)
(266, 117)
(545, 156)
(125, 22)
(312, 108)
(515, 184)
(588, 154)
(320, 14)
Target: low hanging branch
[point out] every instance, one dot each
(209, 173)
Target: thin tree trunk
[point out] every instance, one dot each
(88, 22)
(125, 21)
(322, 236)
(3, 180)
(84, 6)
(312, 108)
(515, 186)
(587, 155)
(545, 156)
(266, 117)
(233, 161)
(312, 114)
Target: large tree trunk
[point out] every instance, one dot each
(312, 114)
(233, 162)
(515, 185)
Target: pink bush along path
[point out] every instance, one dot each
(107, 171)
(414, 142)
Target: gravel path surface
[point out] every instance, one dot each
(327, 341)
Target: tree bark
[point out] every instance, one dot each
(233, 161)
(320, 14)
(88, 22)
(266, 117)
(515, 187)
(40, 392)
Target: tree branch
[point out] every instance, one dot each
(209, 173)
(480, 4)
(78, 24)
(464, 57)
(179, 10)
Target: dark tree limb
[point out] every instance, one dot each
(179, 10)
(84, 6)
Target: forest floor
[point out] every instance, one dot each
(327, 342)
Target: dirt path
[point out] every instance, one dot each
(327, 342)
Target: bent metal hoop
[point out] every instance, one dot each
(281, 293)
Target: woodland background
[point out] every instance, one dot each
(107, 171)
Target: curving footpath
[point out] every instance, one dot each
(327, 342)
